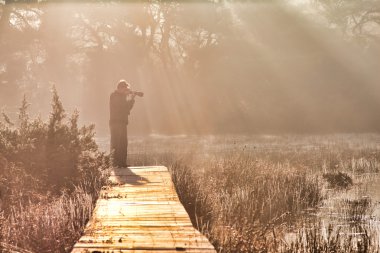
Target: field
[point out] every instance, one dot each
(275, 193)
(261, 193)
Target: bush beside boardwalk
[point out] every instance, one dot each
(52, 173)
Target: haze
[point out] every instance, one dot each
(242, 67)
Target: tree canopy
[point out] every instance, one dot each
(205, 66)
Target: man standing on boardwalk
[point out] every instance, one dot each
(120, 107)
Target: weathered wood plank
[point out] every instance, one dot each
(140, 250)
(141, 212)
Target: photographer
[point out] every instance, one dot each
(121, 103)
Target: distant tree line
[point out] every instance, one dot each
(215, 66)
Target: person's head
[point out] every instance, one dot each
(123, 87)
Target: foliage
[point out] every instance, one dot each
(51, 173)
(56, 153)
(230, 60)
(359, 18)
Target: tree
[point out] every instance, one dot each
(356, 18)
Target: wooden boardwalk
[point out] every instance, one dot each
(140, 212)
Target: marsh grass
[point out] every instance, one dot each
(330, 238)
(350, 229)
(239, 201)
(52, 225)
(250, 196)
(246, 194)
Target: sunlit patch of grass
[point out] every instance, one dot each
(348, 229)
(333, 238)
(238, 200)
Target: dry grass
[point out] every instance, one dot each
(240, 201)
(249, 195)
(51, 226)
(246, 195)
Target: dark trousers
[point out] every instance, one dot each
(119, 144)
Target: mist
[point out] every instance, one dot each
(204, 67)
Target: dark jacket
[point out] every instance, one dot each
(120, 108)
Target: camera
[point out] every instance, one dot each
(137, 93)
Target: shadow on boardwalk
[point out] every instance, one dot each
(124, 175)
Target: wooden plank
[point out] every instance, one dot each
(140, 250)
(140, 212)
